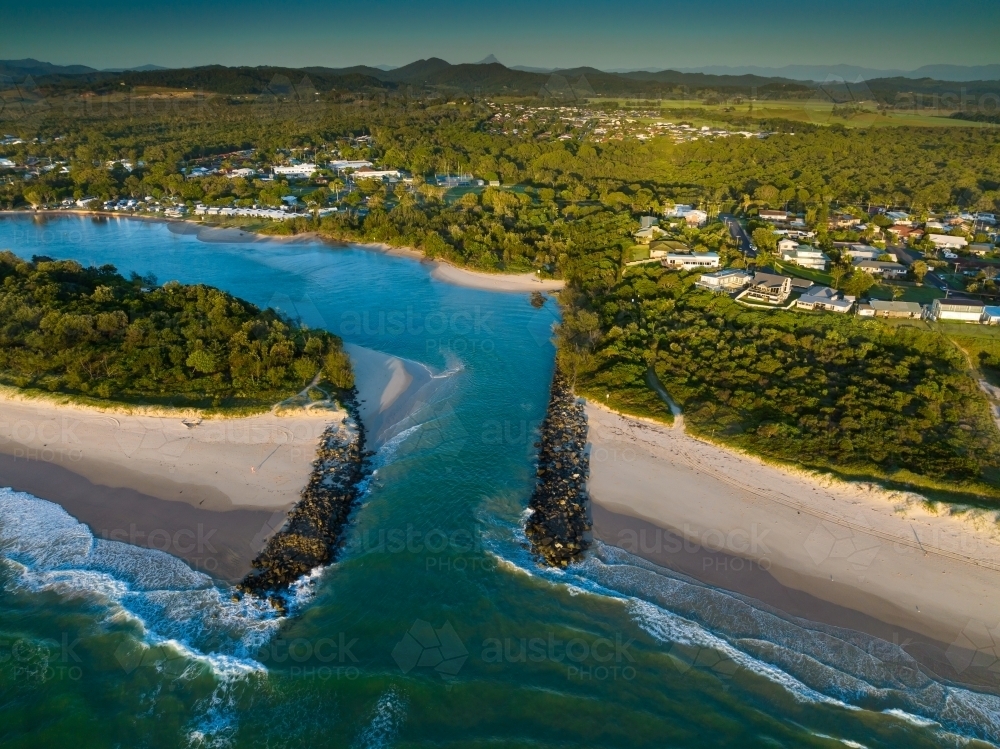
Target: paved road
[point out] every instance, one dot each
(738, 233)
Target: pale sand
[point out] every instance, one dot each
(259, 462)
(210, 491)
(393, 393)
(886, 555)
(494, 281)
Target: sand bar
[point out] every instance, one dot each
(494, 281)
(883, 554)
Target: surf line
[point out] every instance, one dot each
(313, 533)
(558, 526)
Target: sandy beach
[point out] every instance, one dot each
(819, 549)
(494, 281)
(167, 479)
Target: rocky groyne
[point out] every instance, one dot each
(559, 524)
(314, 530)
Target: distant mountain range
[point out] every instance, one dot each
(853, 72)
(489, 77)
(820, 73)
(37, 68)
(815, 73)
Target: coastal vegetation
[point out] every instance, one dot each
(92, 334)
(859, 398)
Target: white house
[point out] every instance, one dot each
(678, 211)
(787, 245)
(695, 217)
(991, 315)
(881, 268)
(7, 164)
(946, 240)
(300, 171)
(366, 172)
(691, 262)
(240, 173)
(963, 310)
(825, 298)
(867, 252)
(341, 165)
(726, 280)
(776, 216)
(806, 257)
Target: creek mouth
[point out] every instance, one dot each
(558, 527)
(313, 533)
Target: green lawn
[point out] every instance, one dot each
(639, 252)
(921, 294)
(816, 276)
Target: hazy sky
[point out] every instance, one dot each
(601, 33)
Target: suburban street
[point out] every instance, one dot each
(738, 233)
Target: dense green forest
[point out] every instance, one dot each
(89, 332)
(859, 397)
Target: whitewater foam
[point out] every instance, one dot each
(168, 603)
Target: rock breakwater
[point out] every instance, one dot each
(314, 530)
(559, 524)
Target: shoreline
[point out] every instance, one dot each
(441, 270)
(211, 491)
(879, 554)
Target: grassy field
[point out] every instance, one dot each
(797, 110)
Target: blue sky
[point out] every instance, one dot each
(601, 33)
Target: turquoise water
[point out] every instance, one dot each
(435, 628)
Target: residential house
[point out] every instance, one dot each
(730, 279)
(866, 252)
(7, 164)
(646, 221)
(787, 245)
(905, 233)
(882, 308)
(659, 248)
(881, 268)
(946, 240)
(245, 173)
(842, 221)
(774, 216)
(825, 298)
(366, 172)
(695, 218)
(647, 234)
(991, 315)
(341, 165)
(691, 262)
(963, 310)
(678, 211)
(296, 171)
(981, 249)
(807, 257)
(899, 217)
(770, 287)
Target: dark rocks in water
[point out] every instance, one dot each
(537, 299)
(314, 530)
(558, 527)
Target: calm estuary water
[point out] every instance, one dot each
(435, 628)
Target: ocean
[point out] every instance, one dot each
(435, 627)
